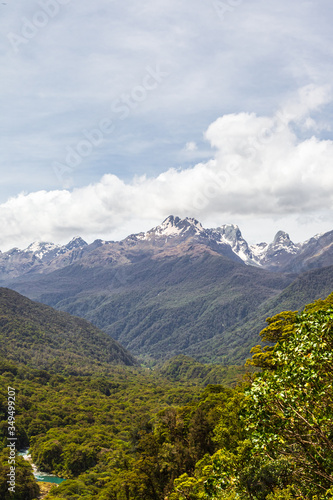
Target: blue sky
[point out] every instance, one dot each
(115, 115)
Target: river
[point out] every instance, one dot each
(44, 477)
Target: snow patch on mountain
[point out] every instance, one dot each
(313, 239)
(43, 249)
(259, 250)
(40, 249)
(175, 226)
(230, 234)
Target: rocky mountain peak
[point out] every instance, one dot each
(282, 242)
(231, 235)
(278, 253)
(282, 237)
(76, 242)
(175, 226)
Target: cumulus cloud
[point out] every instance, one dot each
(259, 168)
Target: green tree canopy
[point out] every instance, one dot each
(290, 407)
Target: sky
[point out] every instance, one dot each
(115, 115)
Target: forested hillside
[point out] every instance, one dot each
(132, 434)
(306, 288)
(44, 338)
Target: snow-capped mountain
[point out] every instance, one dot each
(278, 253)
(176, 287)
(230, 234)
(46, 251)
(173, 233)
(76, 243)
(317, 252)
(40, 257)
(172, 227)
(276, 256)
(40, 249)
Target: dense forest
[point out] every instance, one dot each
(176, 432)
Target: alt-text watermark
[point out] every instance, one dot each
(30, 27)
(225, 7)
(11, 438)
(120, 109)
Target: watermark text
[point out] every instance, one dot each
(11, 481)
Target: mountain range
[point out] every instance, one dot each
(178, 288)
(279, 255)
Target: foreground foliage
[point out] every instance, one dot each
(286, 418)
(291, 407)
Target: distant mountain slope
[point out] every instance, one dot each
(44, 338)
(315, 253)
(306, 288)
(161, 303)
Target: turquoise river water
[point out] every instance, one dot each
(40, 475)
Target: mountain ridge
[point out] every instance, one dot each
(279, 255)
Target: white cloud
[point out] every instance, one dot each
(260, 169)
